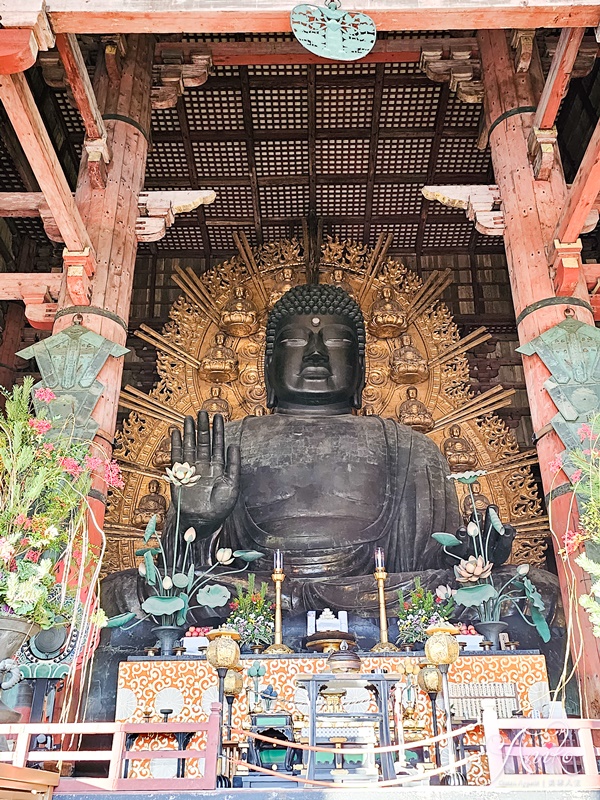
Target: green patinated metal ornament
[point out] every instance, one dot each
(69, 363)
(330, 32)
(571, 351)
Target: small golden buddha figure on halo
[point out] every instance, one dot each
(386, 318)
(481, 501)
(239, 316)
(338, 278)
(153, 503)
(216, 404)
(259, 411)
(286, 278)
(219, 364)
(162, 454)
(460, 453)
(407, 365)
(414, 413)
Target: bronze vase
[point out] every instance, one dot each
(13, 633)
(492, 631)
(168, 637)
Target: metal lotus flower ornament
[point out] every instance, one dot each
(330, 32)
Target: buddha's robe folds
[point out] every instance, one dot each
(327, 491)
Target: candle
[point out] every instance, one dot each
(379, 558)
(278, 560)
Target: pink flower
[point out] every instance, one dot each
(587, 452)
(27, 524)
(93, 463)
(71, 466)
(40, 426)
(45, 395)
(573, 540)
(112, 475)
(32, 555)
(20, 519)
(585, 432)
(555, 465)
(576, 476)
(48, 446)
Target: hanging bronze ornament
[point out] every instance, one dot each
(330, 32)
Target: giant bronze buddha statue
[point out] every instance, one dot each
(313, 479)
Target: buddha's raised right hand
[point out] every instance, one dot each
(208, 499)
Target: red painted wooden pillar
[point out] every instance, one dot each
(110, 215)
(531, 212)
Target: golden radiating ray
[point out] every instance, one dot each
(477, 407)
(127, 466)
(474, 338)
(526, 459)
(243, 245)
(135, 400)
(375, 263)
(429, 293)
(182, 280)
(149, 335)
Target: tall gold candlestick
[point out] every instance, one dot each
(278, 647)
(383, 645)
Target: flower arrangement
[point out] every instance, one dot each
(421, 609)
(474, 574)
(45, 476)
(252, 614)
(171, 577)
(583, 468)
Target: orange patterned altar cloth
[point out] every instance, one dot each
(189, 685)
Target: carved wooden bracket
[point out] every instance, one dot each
(456, 65)
(541, 146)
(39, 292)
(180, 67)
(482, 204)
(158, 210)
(522, 43)
(115, 48)
(565, 267)
(586, 56)
(80, 268)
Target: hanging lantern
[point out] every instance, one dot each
(441, 646)
(223, 651)
(430, 679)
(234, 682)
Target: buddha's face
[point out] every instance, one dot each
(315, 362)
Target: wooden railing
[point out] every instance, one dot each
(541, 753)
(65, 749)
(22, 783)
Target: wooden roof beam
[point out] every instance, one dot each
(273, 16)
(95, 141)
(541, 144)
(27, 122)
(582, 195)
(558, 78)
(18, 50)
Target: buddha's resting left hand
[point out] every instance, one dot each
(211, 495)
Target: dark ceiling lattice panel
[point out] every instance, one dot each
(403, 155)
(231, 201)
(352, 233)
(447, 235)
(342, 156)
(279, 108)
(409, 106)
(11, 180)
(345, 200)
(214, 110)
(282, 157)
(397, 198)
(350, 143)
(344, 106)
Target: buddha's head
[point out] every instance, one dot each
(154, 487)
(315, 353)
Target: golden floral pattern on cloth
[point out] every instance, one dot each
(146, 678)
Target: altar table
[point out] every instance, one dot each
(188, 684)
